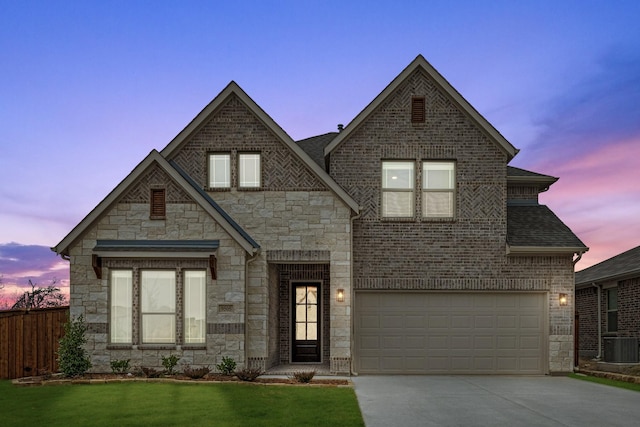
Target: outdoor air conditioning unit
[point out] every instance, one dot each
(621, 350)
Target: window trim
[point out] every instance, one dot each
(240, 170)
(228, 184)
(424, 190)
(384, 190)
(136, 266)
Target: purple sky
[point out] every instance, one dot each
(87, 89)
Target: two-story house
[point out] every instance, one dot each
(401, 244)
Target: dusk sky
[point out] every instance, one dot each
(88, 89)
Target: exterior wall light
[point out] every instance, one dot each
(340, 295)
(563, 300)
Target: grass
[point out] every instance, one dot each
(606, 381)
(168, 404)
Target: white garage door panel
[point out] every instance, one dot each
(482, 333)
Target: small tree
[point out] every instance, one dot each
(73, 359)
(41, 297)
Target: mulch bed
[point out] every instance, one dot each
(210, 378)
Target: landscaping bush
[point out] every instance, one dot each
(169, 364)
(303, 376)
(73, 359)
(227, 367)
(120, 366)
(195, 373)
(249, 374)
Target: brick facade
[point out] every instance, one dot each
(587, 306)
(306, 230)
(464, 253)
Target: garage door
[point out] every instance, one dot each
(450, 333)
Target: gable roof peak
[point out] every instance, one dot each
(421, 63)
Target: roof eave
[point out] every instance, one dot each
(615, 277)
(545, 250)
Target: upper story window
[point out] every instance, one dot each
(397, 189)
(249, 170)
(612, 310)
(438, 189)
(219, 170)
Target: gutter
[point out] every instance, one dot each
(599, 287)
(249, 260)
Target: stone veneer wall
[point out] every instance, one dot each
(464, 253)
(130, 220)
(300, 222)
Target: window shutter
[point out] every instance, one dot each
(417, 109)
(158, 207)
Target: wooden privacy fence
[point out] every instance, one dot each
(29, 341)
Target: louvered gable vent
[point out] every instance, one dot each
(417, 109)
(158, 206)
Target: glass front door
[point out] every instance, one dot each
(306, 322)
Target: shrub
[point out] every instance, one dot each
(227, 366)
(150, 372)
(73, 359)
(195, 373)
(249, 374)
(169, 364)
(303, 376)
(119, 366)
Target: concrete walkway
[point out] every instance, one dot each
(493, 401)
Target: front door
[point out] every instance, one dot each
(306, 322)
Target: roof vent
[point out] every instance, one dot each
(340, 127)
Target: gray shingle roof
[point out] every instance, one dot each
(626, 264)
(513, 171)
(537, 226)
(314, 146)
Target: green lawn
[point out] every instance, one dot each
(168, 404)
(606, 381)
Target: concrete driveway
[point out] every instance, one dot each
(493, 401)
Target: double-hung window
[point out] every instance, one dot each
(438, 189)
(121, 306)
(194, 306)
(219, 170)
(612, 310)
(158, 306)
(397, 189)
(249, 170)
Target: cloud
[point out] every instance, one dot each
(21, 263)
(595, 111)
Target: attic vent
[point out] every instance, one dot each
(158, 206)
(417, 109)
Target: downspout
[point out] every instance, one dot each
(599, 288)
(249, 260)
(353, 292)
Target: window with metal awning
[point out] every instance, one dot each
(155, 249)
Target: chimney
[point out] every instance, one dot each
(340, 127)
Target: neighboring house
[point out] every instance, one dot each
(401, 244)
(607, 303)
